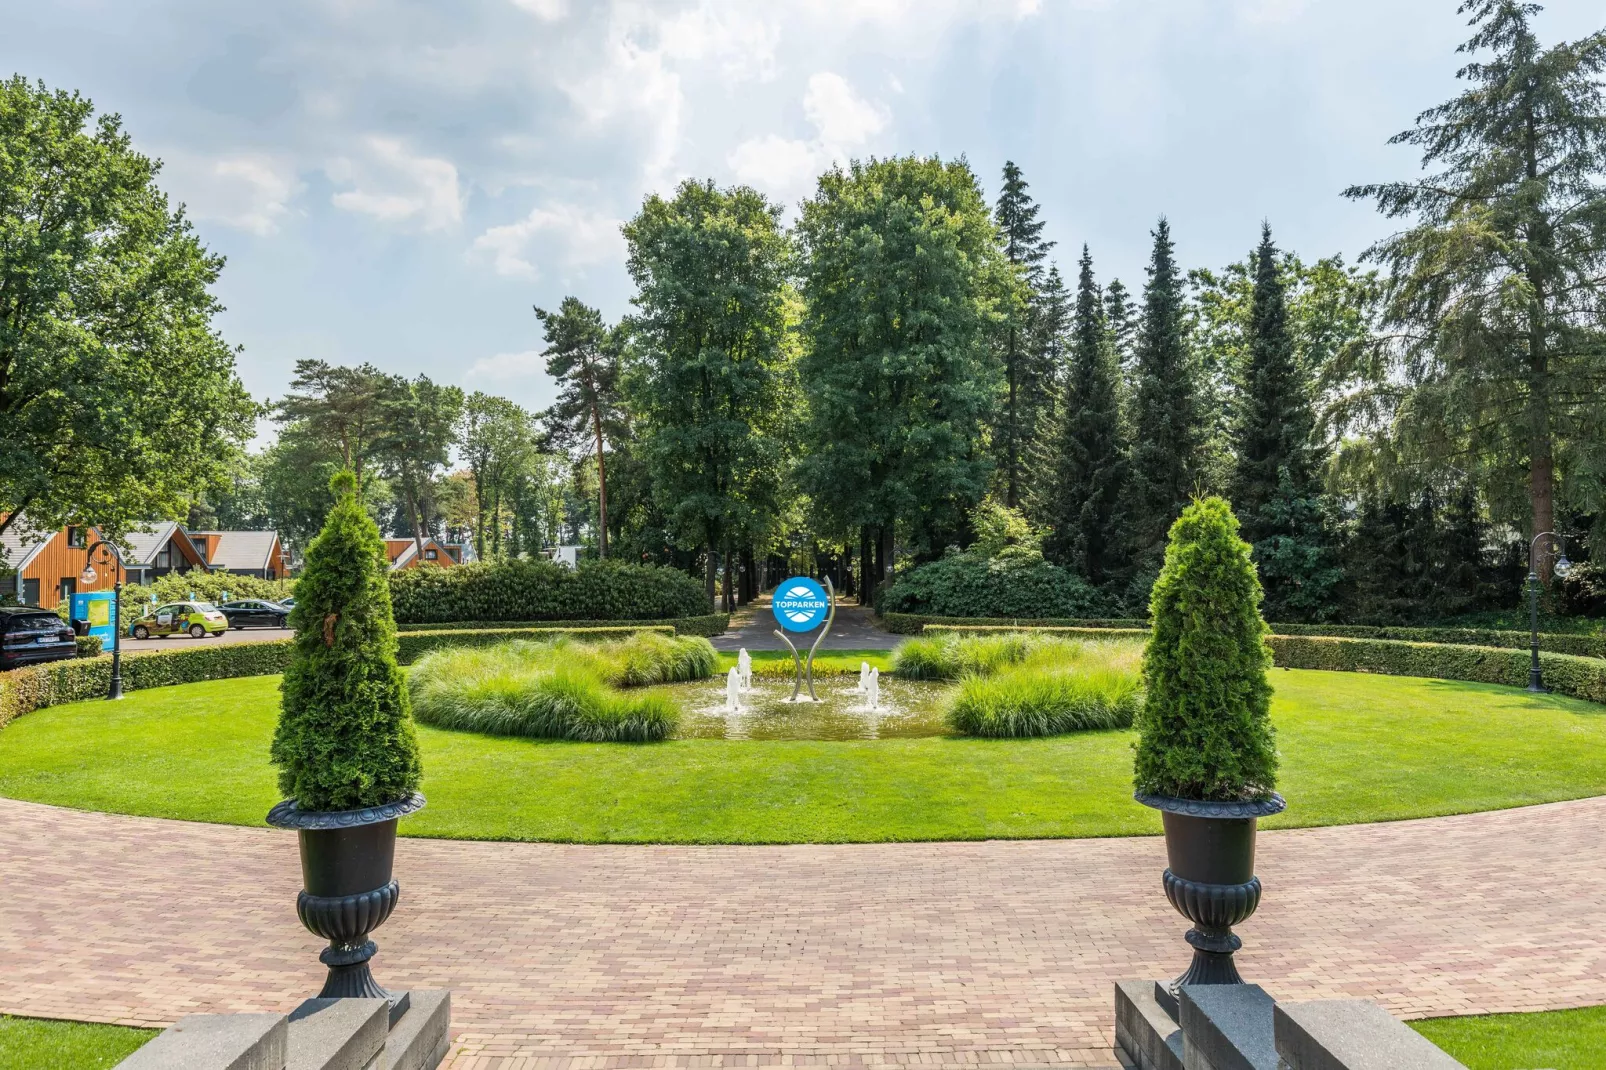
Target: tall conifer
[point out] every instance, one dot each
(1275, 488)
(1085, 465)
(1028, 385)
(1166, 449)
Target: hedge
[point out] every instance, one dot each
(542, 591)
(53, 683)
(1083, 633)
(912, 623)
(1556, 642)
(711, 624)
(1566, 674)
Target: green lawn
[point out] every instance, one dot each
(37, 1043)
(1560, 1040)
(1355, 748)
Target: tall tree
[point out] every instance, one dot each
(1496, 287)
(420, 426)
(1085, 464)
(896, 364)
(712, 372)
(1050, 323)
(583, 356)
(1120, 313)
(1274, 486)
(118, 398)
(496, 437)
(1028, 376)
(1166, 459)
(342, 406)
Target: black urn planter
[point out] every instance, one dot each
(1210, 878)
(348, 890)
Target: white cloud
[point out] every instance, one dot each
(395, 186)
(545, 10)
(506, 367)
(841, 116)
(251, 191)
(843, 122)
(573, 236)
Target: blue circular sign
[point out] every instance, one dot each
(799, 604)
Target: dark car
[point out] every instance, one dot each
(255, 613)
(29, 635)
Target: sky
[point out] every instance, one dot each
(402, 181)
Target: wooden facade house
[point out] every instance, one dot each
(41, 568)
(166, 549)
(403, 553)
(244, 553)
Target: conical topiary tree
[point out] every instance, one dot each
(345, 738)
(1205, 729)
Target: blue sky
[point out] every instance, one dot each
(399, 181)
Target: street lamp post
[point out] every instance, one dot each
(1562, 567)
(89, 575)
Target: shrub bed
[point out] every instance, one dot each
(543, 591)
(1060, 686)
(914, 623)
(559, 690)
(1566, 674)
(1008, 584)
(950, 656)
(707, 625)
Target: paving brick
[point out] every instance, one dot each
(993, 954)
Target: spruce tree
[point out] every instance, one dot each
(345, 736)
(1120, 315)
(1085, 461)
(1028, 387)
(1205, 728)
(1275, 488)
(1165, 460)
(1050, 320)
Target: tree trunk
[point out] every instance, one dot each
(709, 567)
(602, 488)
(885, 557)
(412, 509)
(728, 592)
(866, 577)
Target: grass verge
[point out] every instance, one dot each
(35, 1043)
(1565, 1040)
(1355, 747)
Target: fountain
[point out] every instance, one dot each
(733, 692)
(872, 689)
(864, 677)
(744, 666)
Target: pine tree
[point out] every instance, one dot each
(1205, 728)
(1165, 460)
(345, 736)
(1028, 387)
(1120, 314)
(1274, 487)
(1085, 462)
(1049, 323)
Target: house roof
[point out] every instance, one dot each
(20, 544)
(242, 549)
(143, 546)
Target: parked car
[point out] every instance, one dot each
(199, 619)
(29, 635)
(255, 613)
(288, 603)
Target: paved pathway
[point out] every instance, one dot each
(754, 626)
(182, 642)
(959, 953)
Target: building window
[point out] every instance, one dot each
(431, 554)
(163, 556)
(68, 588)
(77, 538)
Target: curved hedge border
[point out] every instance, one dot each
(708, 625)
(1565, 674)
(1593, 646)
(37, 686)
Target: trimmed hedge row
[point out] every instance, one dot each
(1083, 633)
(51, 684)
(711, 624)
(542, 591)
(1566, 674)
(912, 623)
(1592, 646)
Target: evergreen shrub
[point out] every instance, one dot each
(1016, 582)
(345, 735)
(506, 591)
(1205, 728)
(88, 646)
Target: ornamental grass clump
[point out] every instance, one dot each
(949, 657)
(345, 736)
(1060, 686)
(1205, 731)
(560, 689)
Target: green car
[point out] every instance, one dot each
(199, 619)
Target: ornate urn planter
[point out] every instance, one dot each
(1210, 877)
(348, 890)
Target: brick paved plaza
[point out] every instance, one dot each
(961, 953)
